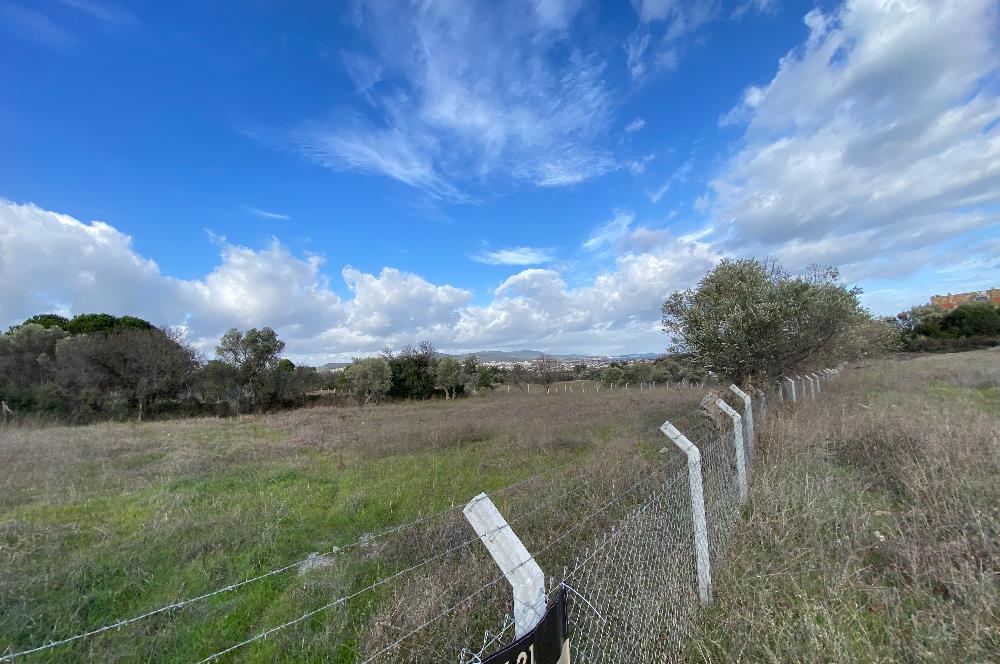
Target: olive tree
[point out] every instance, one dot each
(251, 353)
(449, 376)
(749, 319)
(369, 378)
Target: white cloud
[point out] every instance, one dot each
(609, 233)
(265, 214)
(876, 141)
(514, 256)
(635, 125)
(680, 174)
(53, 262)
(465, 93)
(635, 53)
(638, 166)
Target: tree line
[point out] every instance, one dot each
(419, 372)
(99, 366)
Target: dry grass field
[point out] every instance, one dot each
(108, 521)
(873, 529)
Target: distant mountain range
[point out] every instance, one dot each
(521, 356)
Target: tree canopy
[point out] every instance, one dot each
(749, 319)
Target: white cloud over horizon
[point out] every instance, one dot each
(54, 262)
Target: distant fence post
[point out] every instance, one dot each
(741, 459)
(762, 400)
(747, 414)
(819, 386)
(518, 566)
(697, 509)
(791, 389)
(6, 412)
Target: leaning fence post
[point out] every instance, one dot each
(518, 566)
(747, 413)
(741, 460)
(697, 509)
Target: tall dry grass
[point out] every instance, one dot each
(873, 530)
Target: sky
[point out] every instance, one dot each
(533, 174)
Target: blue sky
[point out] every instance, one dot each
(485, 175)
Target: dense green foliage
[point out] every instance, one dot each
(99, 366)
(929, 328)
(87, 323)
(749, 319)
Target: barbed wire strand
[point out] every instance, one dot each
(119, 624)
(342, 600)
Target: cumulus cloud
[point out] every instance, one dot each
(876, 140)
(54, 262)
(460, 93)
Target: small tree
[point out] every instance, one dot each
(611, 375)
(449, 376)
(546, 368)
(369, 378)
(250, 353)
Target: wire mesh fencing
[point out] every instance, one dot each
(619, 539)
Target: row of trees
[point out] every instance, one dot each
(99, 366)
(420, 373)
(749, 320)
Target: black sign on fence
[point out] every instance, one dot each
(547, 643)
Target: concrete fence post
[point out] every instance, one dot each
(747, 414)
(741, 459)
(819, 385)
(697, 509)
(518, 566)
(791, 389)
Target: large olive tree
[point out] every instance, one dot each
(749, 319)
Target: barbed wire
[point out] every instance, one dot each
(174, 606)
(341, 600)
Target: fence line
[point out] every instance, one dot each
(618, 602)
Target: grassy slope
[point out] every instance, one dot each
(108, 521)
(873, 533)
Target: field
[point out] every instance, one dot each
(873, 532)
(109, 521)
